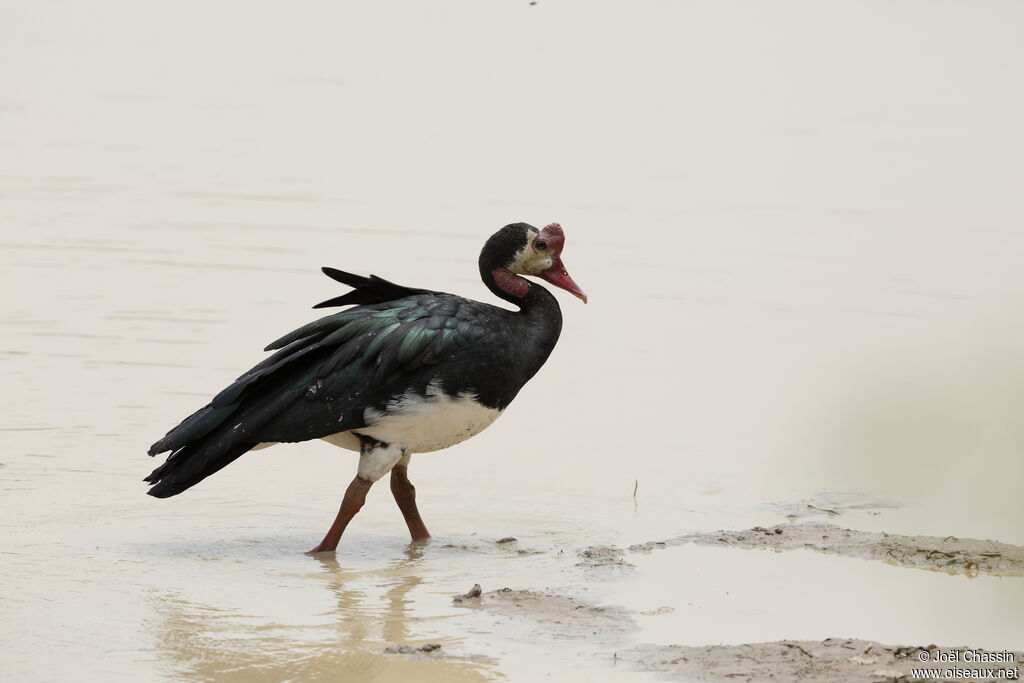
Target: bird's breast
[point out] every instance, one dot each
(422, 423)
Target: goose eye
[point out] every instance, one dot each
(540, 245)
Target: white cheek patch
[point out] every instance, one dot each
(529, 261)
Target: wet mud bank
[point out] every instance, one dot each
(969, 556)
(610, 632)
(832, 659)
(949, 554)
(564, 615)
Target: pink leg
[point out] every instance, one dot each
(355, 496)
(405, 496)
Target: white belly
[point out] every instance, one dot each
(421, 424)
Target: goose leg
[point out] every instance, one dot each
(355, 496)
(376, 459)
(405, 496)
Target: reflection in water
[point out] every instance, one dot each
(393, 615)
(205, 642)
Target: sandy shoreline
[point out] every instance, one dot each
(567, 618)
(830, 659)
(948, 554)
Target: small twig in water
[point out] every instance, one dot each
(636, 485)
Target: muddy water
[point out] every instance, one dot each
(799, 228)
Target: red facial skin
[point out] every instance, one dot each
(511, 283)
(557, 274)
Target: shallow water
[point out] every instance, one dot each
(799, 228)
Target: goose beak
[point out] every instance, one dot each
(559, 277)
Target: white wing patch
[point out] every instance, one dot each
(425, 423)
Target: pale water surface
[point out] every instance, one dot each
(799, 224)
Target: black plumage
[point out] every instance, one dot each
(325, 376)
